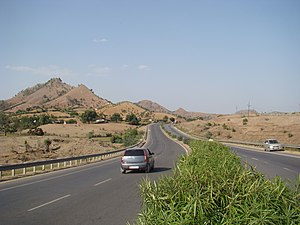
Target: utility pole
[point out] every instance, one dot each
(248, 109)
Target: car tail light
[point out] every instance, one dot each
(145, 157)
(122, 160)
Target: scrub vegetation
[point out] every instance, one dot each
(211, 186)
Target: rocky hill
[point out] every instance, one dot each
(79, 96)
(57, 94)
(152, 106)
(183, 113)
(53, 93)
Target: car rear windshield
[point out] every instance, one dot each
(273, 141)
(134, 152)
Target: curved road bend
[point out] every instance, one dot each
(271, 164)
(92, 194)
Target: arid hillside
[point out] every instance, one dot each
(153, 106)
(53, 94)
(80, 96)
(284, 126)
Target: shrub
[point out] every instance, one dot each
(116, 139)
(130, 137)
(208, 135)
(245, 121)
(71, 121)
(210, 186)
(88, 116)
(116, 117)
(37, 131)
(179, 138)
(90, 134)
(47, 143)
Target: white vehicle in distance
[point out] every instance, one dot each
(272, 145)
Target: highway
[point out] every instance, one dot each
(271, 164)
(92, 194)
(99, 194)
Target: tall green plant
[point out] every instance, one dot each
(210, 186)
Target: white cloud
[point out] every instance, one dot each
(100, 40)
(49, 70)
(124, 67)
(143, 67)
(99, 70)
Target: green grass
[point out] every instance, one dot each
(210, 186)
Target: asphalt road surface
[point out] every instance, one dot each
(92, 194)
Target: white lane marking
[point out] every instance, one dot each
(254, 159)
(288, 169)
(48, 203)
(109, 161)
(102, 182)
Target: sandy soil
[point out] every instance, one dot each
(284, 127)
(66, 140)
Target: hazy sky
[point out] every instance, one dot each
(206, 56)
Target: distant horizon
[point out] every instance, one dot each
(203, 56)
(251, 109)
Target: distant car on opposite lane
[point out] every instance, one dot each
(137, 159)
(272, 145)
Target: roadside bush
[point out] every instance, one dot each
(210, 186)
(130, 137)
(71, 121)
(186, 140)
(245, 121)
(179, 138)
(116, 139)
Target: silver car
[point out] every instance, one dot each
(272, 144)
(137, 159)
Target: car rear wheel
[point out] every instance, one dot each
(123, 171)
(148, 168)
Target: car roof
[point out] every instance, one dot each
(131, 149)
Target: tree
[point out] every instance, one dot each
(47, 143)
(172, 119)
(116, 117)
(4, 123)
(88, 116)
(165, 119)
(130, 137)
(132, 119)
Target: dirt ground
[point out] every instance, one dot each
(66, 140)
(256, 128)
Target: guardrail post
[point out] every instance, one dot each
(24, 170)
(51, 166)
(13, 172)
(65, 164)
(70, 163)
(43, 167)
(34, 169)
(58, 165)
(0, 175)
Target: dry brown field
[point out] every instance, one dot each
(284, 127)
(66, 140)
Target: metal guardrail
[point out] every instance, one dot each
(23, 169)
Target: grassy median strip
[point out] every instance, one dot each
(210, 186)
